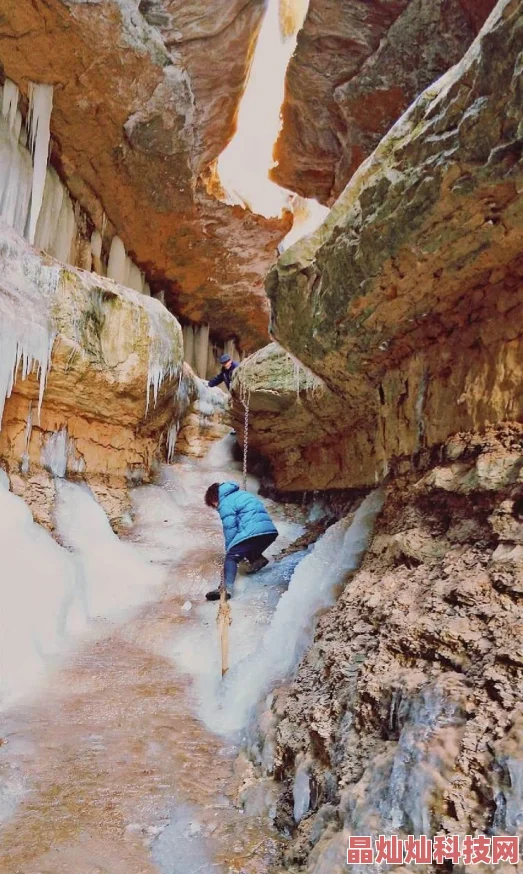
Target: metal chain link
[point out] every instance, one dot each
(245, 441)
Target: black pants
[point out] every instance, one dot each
(251, 549)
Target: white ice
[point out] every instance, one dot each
(269, 633)
(50, 594)
(118, 578)
(40, 108)
(261, 660)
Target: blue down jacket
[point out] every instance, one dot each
(243, 515)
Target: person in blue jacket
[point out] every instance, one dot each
(225, 374)
(247, 527)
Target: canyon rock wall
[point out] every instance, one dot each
(405, 714)
(92, 373)
(357, 67)
(407, 302)
(145, 97)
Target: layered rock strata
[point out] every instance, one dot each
(145, 97)
(357, 67)
(407, 302)
(405, 714)
(92, 373)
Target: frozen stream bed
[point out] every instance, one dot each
(121, 744)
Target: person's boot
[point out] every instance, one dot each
(257, 565)
(214, 595)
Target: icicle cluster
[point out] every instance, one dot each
(26, 332)
(59, 454)
(161, 360)
(123, 270)
(24, 349)
(33, 200)
(201, 354)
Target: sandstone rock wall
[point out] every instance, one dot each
(215, 43)
(103, 366)
(405, 714)
(138, 115)
(407, 302)
(357, 67)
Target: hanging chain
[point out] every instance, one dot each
(245, 441)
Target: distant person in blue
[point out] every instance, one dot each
(247, 527)
(225, 374)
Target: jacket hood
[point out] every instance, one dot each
(227, 489)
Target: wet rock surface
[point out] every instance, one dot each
(405, 714)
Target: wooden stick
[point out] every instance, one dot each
(223, 620)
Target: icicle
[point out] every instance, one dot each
(24, 462)
(172, 436)
(212, 354)
(26, 332)
(10, 104)
(161, 364)
(96, 252)
(29, 346)
(54, 453)
(59, 454)
(147, 291)
(16, 174)
(116, 267)
(135, 279)
(188, 344)
(96, 245)
(66, 231)
(201, 350)
(232, 350)
(40, 107)
(50, 211)
(17, 125)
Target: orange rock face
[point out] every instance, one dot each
(407, 303)
(215, 43)
(138, 115)
(357, 67)
(97, 413)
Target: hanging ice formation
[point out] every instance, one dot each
(123, 270)
(59, 454)
(24, 348)
(33, 199)
(172, 435)
(26, 332)
(201, 354)
(40, 108)
(161, 345)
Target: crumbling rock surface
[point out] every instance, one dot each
(357, 67)
(407, 302)
(405, 714)
(138, 116)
